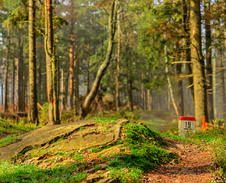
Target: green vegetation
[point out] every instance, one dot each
(7, 127)
(8, 140)
(141, 150)
(145, 153)
(105, 120)
(156, 120)
(29, 173)
(215, 138)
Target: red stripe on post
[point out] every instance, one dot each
(187, 118)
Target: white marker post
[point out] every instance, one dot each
(186, 125)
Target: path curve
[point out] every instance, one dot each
(194, 167)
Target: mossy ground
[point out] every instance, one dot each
(136, 151)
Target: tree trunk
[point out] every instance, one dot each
(62, 91)
(214, 83)
(33, 111)
(66, 91)
(149, 99)
(76, 90)
(169, 81)
(221, 59)
(87, 78)
(13, 86)
(55, 75)
(186, 18)
(130, 93)
(198, 63)
(104, 65)
(2, 95)
(180, 97)
(118, 66)
(6, 107)
(50, 62)
(20, 78)
(209, 71)
(71, 56)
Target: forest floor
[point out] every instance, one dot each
(195, 160)
(193, 167)
(114, 150)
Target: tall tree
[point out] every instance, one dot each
(185, 19)
(180, 97)
(71, 55)
(169, 81)
(50, 64)
(6, 106)
(198, 63)
(101, 71)
(209, 71)
(118, 65)
(33, 111)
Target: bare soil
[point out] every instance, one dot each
(193, 167)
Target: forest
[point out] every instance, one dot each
(93, 91)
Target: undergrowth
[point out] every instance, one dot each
(8, 140)
(29, 173)
(7, 127)
(145, 153)
(214, 137)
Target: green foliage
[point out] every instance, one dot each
(78, 157)
(145, 154)
(138, 134)
(105, 120)
(172, 128)
(8, 140)
(66, 116)
(126, 175)
(43, 114)
(131, 116)
(219, 152)
(215, 138)
(29, 173)
(7, 127)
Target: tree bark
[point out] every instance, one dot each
(32, 110)
(87, 78)
(222, 72)
(6, 106)
(62, 91)
(169, 82)
(198, 63)
(186, 28)
(76, 90)
(104, 65)
(214, 83)
(13, 86)
(180, 97)
(50, 65)
(55, 75)
(209, 71)
(71, 57)
(20, 78)
(118, 66)
(149, 98)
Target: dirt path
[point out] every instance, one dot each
(193, 167)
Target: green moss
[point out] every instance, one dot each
(105, 120)
(145, 153)
(126, 175)
(10, 128)
(29, 173)
(8, 140)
